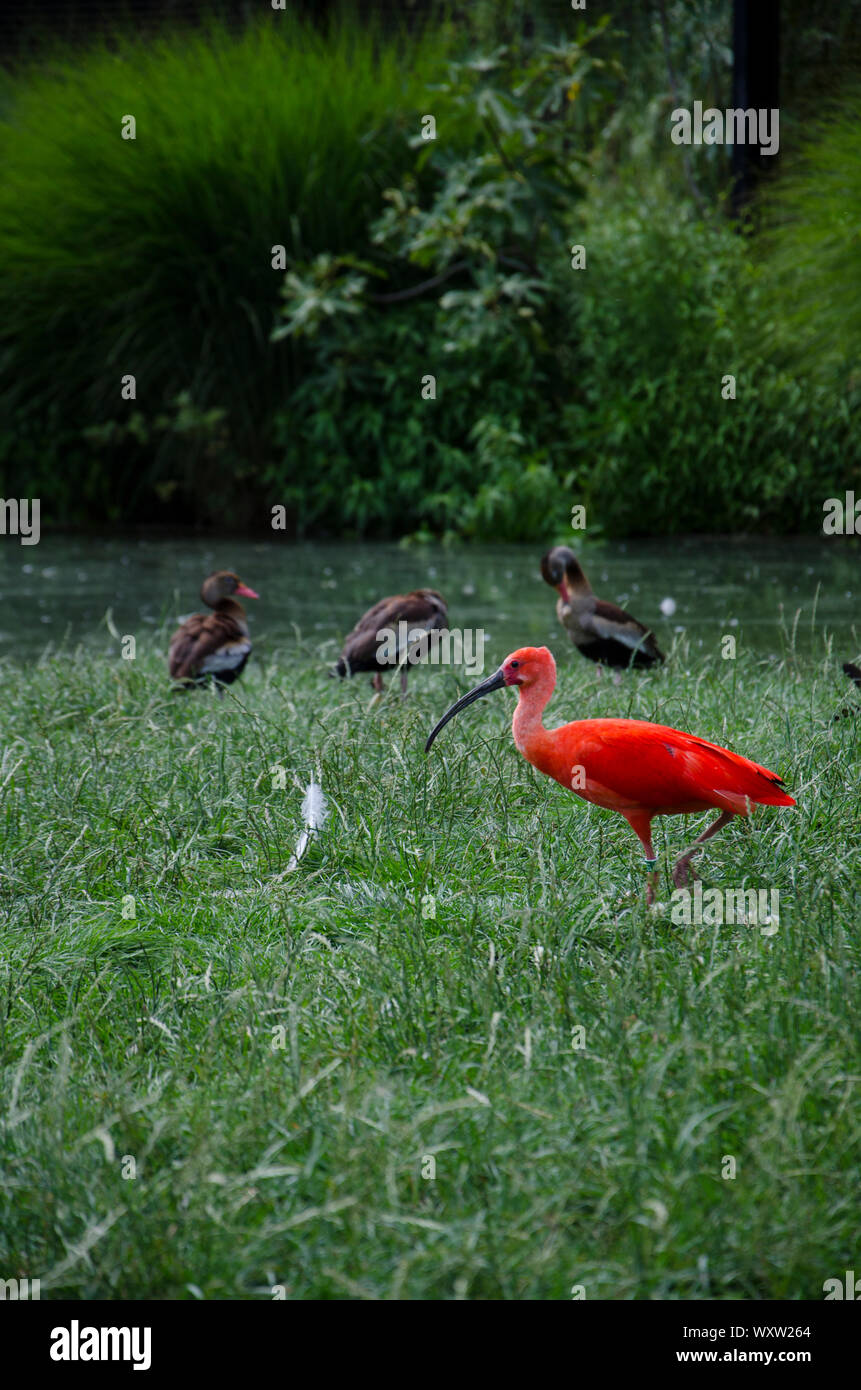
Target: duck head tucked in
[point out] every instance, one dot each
(383, 635)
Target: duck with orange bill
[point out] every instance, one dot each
(213, 646)
(639, 769)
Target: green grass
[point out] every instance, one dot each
(404, 1035)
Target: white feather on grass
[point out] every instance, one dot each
(315, 811)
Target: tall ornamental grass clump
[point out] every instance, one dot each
(153, 256)
(811, 249)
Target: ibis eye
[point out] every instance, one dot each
(514, 665)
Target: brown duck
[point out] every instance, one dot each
(365, 650)
(213, 646)
(600, 630)
(854, 674)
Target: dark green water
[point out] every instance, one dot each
(59, 591)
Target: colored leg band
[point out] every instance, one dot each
(651, 864)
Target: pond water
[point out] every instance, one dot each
(59, 591)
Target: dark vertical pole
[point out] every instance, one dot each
(755, 82)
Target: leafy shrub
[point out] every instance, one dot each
(362, 446)
(667, 309)
(409, 259)
(153, 256)
(605, 385)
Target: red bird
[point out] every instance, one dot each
(213, 645)
(639, 769)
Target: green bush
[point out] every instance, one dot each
(667, 309)
(153, 256)
(409, 259)
(363, 449)
(607, 385)
(367, 451)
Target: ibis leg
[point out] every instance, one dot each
(641, 824)
(682, 870)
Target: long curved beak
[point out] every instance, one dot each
(494, 682)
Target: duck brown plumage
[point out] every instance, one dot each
(854, 674)
(423, 608)
(213, 645)
(602, 631)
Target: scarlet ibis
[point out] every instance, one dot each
(381, 637)
(639, 769)
(600, 630)
(213, 645)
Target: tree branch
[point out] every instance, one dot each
(398, 296)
